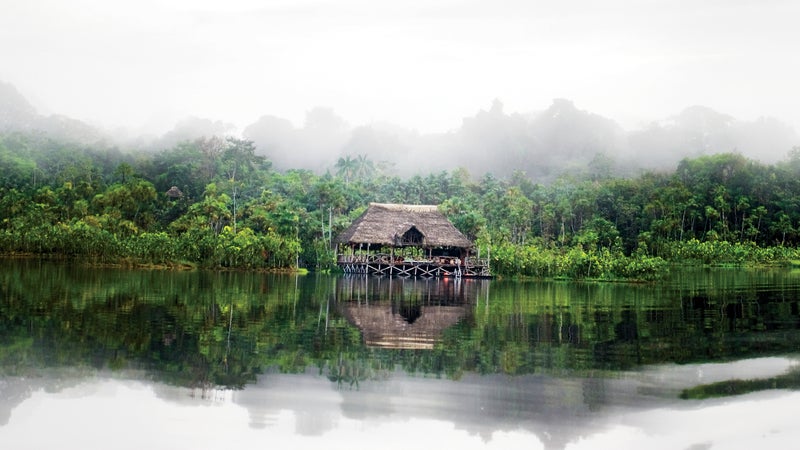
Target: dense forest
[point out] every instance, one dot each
(217, 203)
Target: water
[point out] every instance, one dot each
(98, 358)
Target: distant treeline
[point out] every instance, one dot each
(216, 203)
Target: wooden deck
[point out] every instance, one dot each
(403, 267)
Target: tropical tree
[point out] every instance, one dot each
(365, 168)
(346, 167)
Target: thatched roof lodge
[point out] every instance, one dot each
(412, 240)
(396, 225)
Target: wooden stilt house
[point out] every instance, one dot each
(407, 240)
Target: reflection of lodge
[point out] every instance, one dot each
(408, 240)
(410, 314)
(410, 327)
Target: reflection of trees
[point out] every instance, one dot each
(202, 329)
(551, 327)
(789, 380)
(349, 373)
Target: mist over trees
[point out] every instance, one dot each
(698, 131)
(190, 129)
(215, 202)
(18, 114)
(561, 192)
(315, 146)
(560, 139)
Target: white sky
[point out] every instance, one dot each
(417, 63)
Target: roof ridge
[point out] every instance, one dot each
(405, 207)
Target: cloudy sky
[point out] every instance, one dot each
(416, 63)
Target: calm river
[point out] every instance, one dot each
(102, 358)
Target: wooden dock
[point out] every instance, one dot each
(378, 264)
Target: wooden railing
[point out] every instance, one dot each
(389, 259)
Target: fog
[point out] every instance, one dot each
(559, 139)
(542, 87)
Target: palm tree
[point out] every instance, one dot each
(365, 168)
(346, 167)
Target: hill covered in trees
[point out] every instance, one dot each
(216, 202)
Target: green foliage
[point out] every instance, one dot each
(715, 252)
(575, 263)
(718, 209)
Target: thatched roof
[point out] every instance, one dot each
(393, 224)
(174, 192)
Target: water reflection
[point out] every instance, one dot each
(556, 410)
(202, 329)
(495, 411)
(403, 313)
(558, 362)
